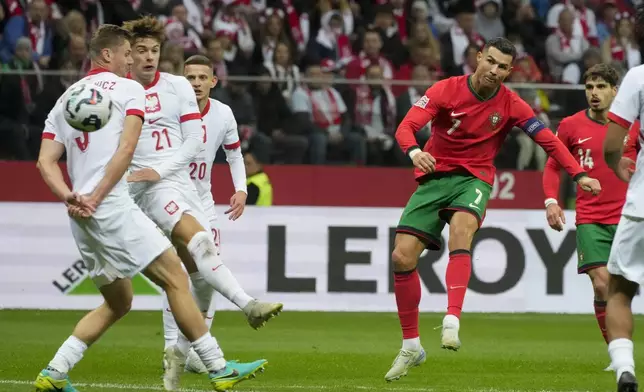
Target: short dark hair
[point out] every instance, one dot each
(198, 60)
(504, 45)
(604, 71)
(107, 36)
(145, 27)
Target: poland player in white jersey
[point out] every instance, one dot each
(626, 260)
(172, 137)
(114, 237)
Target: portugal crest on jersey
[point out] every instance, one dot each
(495, 120)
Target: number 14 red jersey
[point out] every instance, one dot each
(584, 137)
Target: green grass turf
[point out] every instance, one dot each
(327, 352)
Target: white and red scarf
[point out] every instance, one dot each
(327, 112)
(364, 107)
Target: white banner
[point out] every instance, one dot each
(327, 259)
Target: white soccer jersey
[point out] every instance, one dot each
(172, 116)
(220, 130)
(89, 153)
(626, 108)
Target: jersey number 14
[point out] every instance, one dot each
(585, 158)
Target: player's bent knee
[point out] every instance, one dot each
(184, 231)
(403, 259)
(202, 246)
(599, 278)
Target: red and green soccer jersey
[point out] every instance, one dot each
(584, 138)
(467, 131)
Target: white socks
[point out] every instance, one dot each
(204, 296)
(209, 352)
(68, 355)
(411, 344)
(621, 355)
(203, 250)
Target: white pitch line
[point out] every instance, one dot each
(140, 387)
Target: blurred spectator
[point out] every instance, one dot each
(242, 104)
(166, 66)
(440, 15)
(181, 32)
(529, 151)
(573, 72)
(420, 55)
(606, 20)
(370, 54)
(421, 35)
(18, 91)
(525, 27)
(275, 125)
(77, 52)
(271, 33)
(488, 19)
(215, 52)
(331, 42)
(319, 107)
(75, 23)
(583, 19)
(174, 54)
(155, 7)
(622, 46)
(562, 46)
(283, 67)
(259, 187)
(18, 7)
(459, 37)
(35, 26)
(231, 23)
(471, 60)
(374, 115)
(392, 46)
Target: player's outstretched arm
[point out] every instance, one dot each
(421, 113)
(50, 153)
(613, 150)
(119, 163)
(551, 182)
(533, 127)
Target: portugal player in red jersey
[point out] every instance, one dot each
(471, 116)
(583, 134)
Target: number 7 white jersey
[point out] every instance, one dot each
(220, 129)
(89, 153)
(169, 102)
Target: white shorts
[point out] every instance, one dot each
(627, 253)
(165, 202)
(118, 241)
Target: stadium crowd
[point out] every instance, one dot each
(282, 117)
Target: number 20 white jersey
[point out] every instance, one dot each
(89, 153)
(625, 109)
(220, 129)
(169, 102)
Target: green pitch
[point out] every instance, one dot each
(328, 352)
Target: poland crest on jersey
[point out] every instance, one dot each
(152, 103)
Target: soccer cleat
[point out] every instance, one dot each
(627, 383)
(194, 363)
(258, 313)
(50, 380)
(234, 373)
(404, 361)
(174, 363)
(449, 335)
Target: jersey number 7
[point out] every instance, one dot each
(455, 124)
